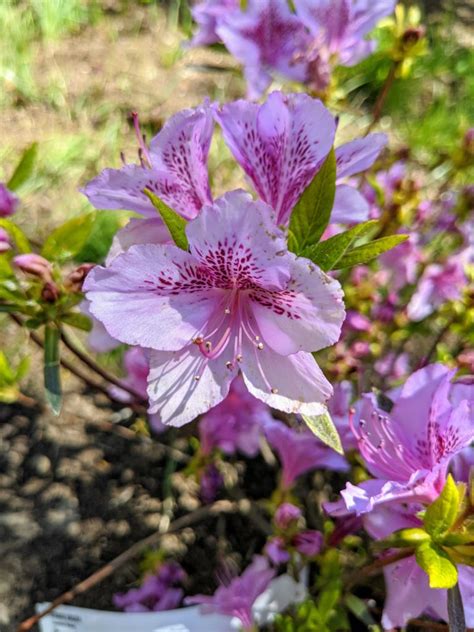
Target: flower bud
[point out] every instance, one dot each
(5, 243)
(8, 201)
(286, 516)
(34, 264)
(308, 543)
(77, 277)
(50, 292)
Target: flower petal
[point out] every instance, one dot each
(138, 231)
(153, 296)
(294, 384)
(176, 396)
(350, 206)
(181, 150)
(307, 316)
(237, 237)
(359, 154)
(280, 145)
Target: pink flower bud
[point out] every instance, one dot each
(286, 516)
(308, 543)
(8, 201)
(4, 241)
(32, 263)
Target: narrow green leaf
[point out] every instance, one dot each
(323, 427)
(69, 238)
(21, 240)
(79, 321)
(52, 375)
(369, 251)
(437, 565)
(441, 514)
(359, 609)
(24, 169)
(327, 253)
(174, 222)
(311, 214)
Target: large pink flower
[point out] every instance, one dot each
(408, 450)
(237, 300)
(281, 145)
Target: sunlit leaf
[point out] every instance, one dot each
(24, 168)
(367, 252)
(327, 253)
(437, 565)
(323, 427)
(67, 240)
(311, 214)
(174, 222)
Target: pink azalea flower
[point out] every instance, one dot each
(235, 423)
(237, 599)
(282, 143)
(409, 449)
(438, 284)
(237, 301)
(208, 14)
(265, 38)
(338, 28)
(8, 201)
(300, 452)
(174, 167)
(408, 594)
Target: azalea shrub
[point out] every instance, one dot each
(317, 318)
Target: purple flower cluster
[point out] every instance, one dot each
(408, 451)
(268, 39)
(160, 591)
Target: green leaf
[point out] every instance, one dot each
(323, 427)
(311, 214)
(52, 375)
(437, 565)
(174, 222)
(441, 514)
(21, 240)
(359, 609)
(24, 169)
(367, 252)
(79, 321)
(327, 253)
(67, 240)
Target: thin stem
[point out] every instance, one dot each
(383, 94)
(105, 571)
(94, 366)
(456, 618)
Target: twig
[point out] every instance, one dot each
(180, 523)
(94, 366)
(383, 94)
